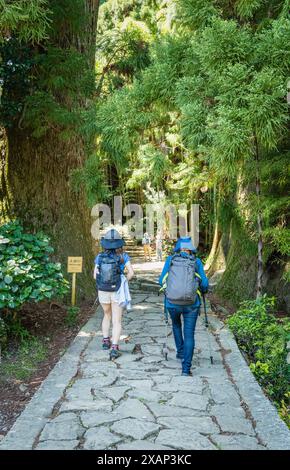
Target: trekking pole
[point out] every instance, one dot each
(207, 325)
(165, 350)
(94, 304)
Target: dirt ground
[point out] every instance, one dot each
(220, 307)
(46, 322)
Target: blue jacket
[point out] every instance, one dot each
(199, 270)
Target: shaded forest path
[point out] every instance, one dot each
(141, 401)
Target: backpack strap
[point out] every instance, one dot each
(114, 256)
(164, 283)
(199, 278)
(176, 255)
(101, 257)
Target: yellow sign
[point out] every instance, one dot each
(74, 264)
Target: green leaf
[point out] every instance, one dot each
(8, 279)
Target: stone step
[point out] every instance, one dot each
(135, 254)
(130, 243)
(133, 249)
(144, 285)
(144, 288)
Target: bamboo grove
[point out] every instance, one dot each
(184, 101)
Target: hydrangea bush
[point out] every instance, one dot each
(26, 270)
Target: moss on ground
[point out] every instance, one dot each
(239, 280)
(21, 364)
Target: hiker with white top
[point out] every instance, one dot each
(112, 285)
(146, 242)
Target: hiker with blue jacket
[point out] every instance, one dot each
(183, 280)
(112, 285)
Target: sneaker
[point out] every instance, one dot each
(114, 354)
(106, 344)
(185, 374)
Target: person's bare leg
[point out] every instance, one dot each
(116, 320)
(106, 320)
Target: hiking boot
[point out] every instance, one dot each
(185, 374)
(106, 344)
(114, 354)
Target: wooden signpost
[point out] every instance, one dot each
(74, 266)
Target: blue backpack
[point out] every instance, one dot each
(109, 276)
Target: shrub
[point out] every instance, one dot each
(26, 271)
(3, 335)
(15, 329)
(263, 338)
(71, 317)
(284, 409)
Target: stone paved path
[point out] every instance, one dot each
(141, 401)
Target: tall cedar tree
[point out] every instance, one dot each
(48, 72)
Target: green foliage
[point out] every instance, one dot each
(273, 44)
(279, 238)
(188, 100)
(93, 179)
(223, 44)
(212, 83)
(158, 15)
(238, 281)
(58, 75)
(263, 338)
(3, 335)
(26, 272)
(247, 8)
(121, 54)
(153, 163)
(286, 275)
(119, 134)
(284, 409)
(72, 314)
(15, 70)
(168, 246)
(68, 16)
(111, 13)
(43, 89)
(15, 329)
(30, 19)
(196, 13)
(22, 364)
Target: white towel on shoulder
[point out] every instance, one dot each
(123, 295)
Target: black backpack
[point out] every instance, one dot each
(109, 276)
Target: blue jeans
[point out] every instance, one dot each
(184, 341)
